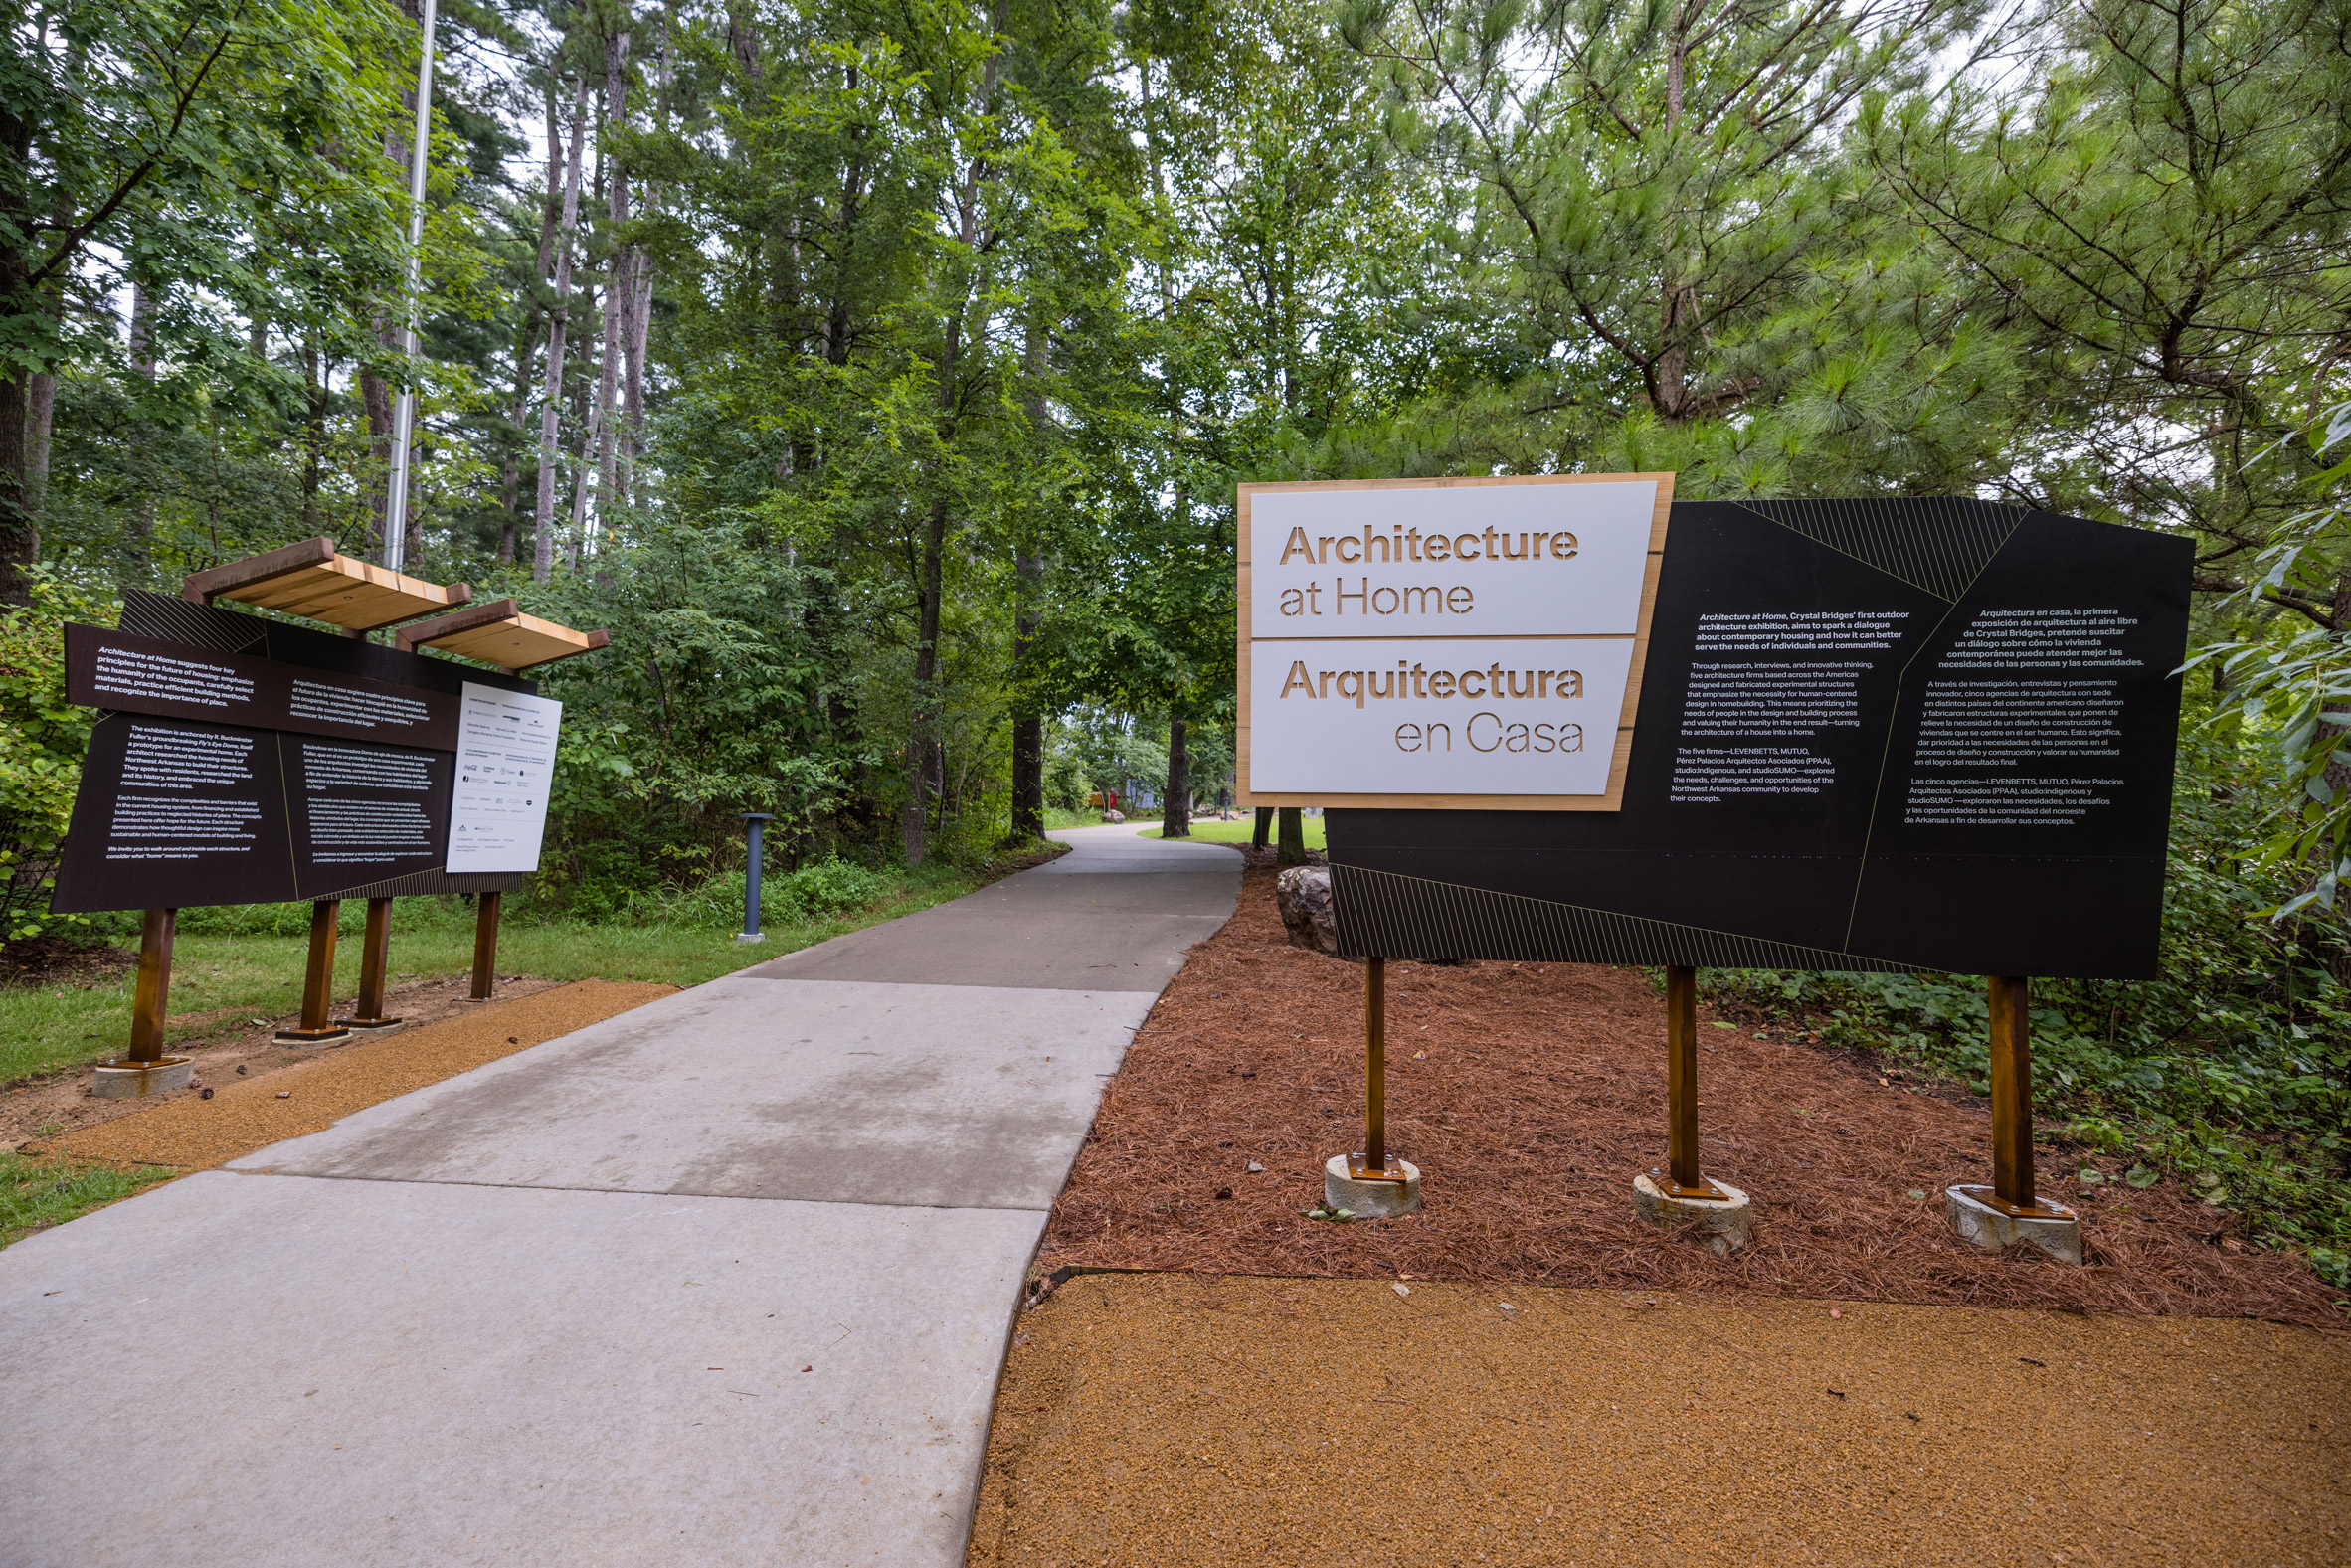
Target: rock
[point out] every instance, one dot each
(1114, 816)
(1304, 894)
(1725, 1224)
(207, 1093)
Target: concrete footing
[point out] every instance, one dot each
(745, 938)
(1370, 1200)
(125, 1080)
(1727, 1224)
(298, 1037)
(1979, 1219)
(372, 1026)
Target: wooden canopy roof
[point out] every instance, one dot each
(499, 634)
(311, 580)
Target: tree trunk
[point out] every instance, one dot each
(510, 467)
(924, 740)
(584, 420)
(1175, 805)
(526, 342)
(640, 310)
(19, 532)
(551, 412)
(1264, 827)
(1292, 836)
(40, 414)
(927, 704)
(1029, 570)
(20, 529)
(315, 405)
(1029, 725)
(138, 550)
(412, 518)
(1669, 380)
(619, 294)
(375, 396)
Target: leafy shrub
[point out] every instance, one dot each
(814, 892)
(42, 739)
(2232, 1070)
(828, 887)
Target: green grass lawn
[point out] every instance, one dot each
(217, 976)
(1239, 830)
(38, 1193)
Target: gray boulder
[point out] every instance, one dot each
(1304, 894)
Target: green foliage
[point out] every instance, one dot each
(2231, 1071)
(814, 891)
(42, 741)
(1699, 275)
(2290, 682)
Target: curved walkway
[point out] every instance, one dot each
(723, 1279)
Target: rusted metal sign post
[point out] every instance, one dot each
(318, 981)
(1372, 1182)
(1375, 1162)
(486, 947)
(1681, 1178)
(375, 958)
(2010, 1211)
(146, 1070)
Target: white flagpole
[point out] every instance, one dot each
(404, 415)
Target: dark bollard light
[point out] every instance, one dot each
(758, 821)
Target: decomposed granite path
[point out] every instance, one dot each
(726, 1278)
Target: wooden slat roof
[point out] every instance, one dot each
(312, 581)
(499, 634)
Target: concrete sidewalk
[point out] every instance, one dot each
(723, 1279)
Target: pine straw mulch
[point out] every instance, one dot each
(1539, 1097)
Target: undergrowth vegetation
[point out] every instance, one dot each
(2231, 1071)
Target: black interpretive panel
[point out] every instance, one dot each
(106, 669)
(242, 761)
(1871, 735)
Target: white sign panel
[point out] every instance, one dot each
(506, 768)
(1497, 561)
(1462, 642)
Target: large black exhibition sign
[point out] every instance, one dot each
(1871, 734)
(242, 761)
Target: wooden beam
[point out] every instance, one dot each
(501, 633)
(201, 588)
(1682, 1075)
(2010, 996)
(486, 947)
(408, 637)
(151, 999)
(311, 580)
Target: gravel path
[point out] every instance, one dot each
(1177, 1419)
(246, 1114)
